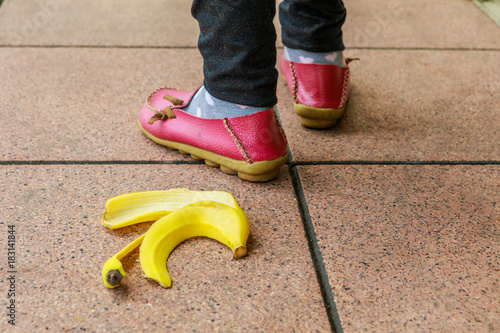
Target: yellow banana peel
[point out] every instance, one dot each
(138, 207)
(181, 214)
(207, 218)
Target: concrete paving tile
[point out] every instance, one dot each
(164, 23)
(418, 24)
(169, 23)
(92, 22)
(408, 106)
(61, 248)
(409, 248)
(83, 104)
(78, 104)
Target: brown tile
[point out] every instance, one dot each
(78, 104)
(408, 106)
(62, 247)
(164, 23)
(81, 104)
(418, 24)
(409, 248)
(63, 22)
(369, 23)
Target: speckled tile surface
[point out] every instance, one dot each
(83, 103)
(408, 106)
(409, 248)
(61, 248)
(169, 23)
(418, 24)
(93, 22)
(157, 23)
(405, 248)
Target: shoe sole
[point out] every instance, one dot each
(317, 118)
(256, 172)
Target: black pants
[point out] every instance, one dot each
(238, 42)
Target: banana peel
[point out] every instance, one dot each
(137, 207)
(180, 214)
(207, 218)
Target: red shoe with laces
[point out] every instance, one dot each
(320, 92)
(253, 146)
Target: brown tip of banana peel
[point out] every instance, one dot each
(240, 252)
(114, 277)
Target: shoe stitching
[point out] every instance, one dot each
(281, 130)
(168, 113)
(165, 113)
(344, 89)
(294, 82)
(148, 99)
(237, 141)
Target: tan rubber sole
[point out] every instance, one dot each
(254, 172)
(318, 118)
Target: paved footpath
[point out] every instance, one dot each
(387, 223)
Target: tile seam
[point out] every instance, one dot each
(279, 47)
(317, 258)
(21, 46)
(388, 48)
(139, 162)
(312, 163)
(289, 163)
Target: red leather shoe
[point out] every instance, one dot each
(252, 146)
(320, 92)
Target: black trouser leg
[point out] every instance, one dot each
(238, 42)
(312, 25)
(238, 45)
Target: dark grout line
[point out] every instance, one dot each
(290, 163)
(388, 48)
(317, 258)
(98, 162)
(190, 47)
(97, 46)
(293, 164)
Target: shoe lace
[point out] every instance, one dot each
(167, 111)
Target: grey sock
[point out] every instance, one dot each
(204, 105)
(324, 58)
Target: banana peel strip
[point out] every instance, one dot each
(112, 271)
(137, 207)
